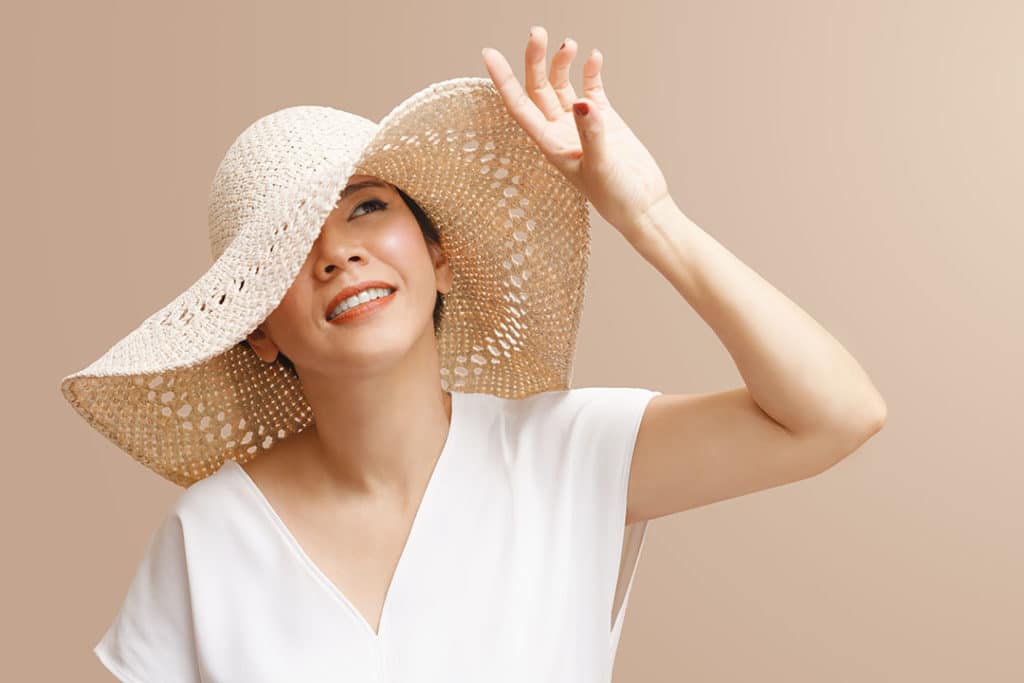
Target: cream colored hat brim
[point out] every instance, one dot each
(181, 393)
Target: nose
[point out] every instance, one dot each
(334, 252)
(327, 267)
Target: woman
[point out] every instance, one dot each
(484, 529)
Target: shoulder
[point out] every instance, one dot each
(590, 404)
(208, 536)
(201, 496)
(213, 510)
(570, 423)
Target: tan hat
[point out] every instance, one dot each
(183, 392)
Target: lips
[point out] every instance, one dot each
(353, 290)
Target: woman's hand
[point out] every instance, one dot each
(596, 151)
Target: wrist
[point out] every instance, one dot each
(651, 225)
(659, 213)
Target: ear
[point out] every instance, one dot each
(443, 274)
(262, 345)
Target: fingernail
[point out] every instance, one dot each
(581, 108)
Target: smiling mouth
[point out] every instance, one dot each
(375, 297)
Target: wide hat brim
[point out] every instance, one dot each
(182, 392)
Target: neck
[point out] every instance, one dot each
(377, 434)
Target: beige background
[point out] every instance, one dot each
(865, 157)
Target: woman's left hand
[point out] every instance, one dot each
(597, 152)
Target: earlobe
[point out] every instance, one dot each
(444, 278)
(262, 345)
(442, 270)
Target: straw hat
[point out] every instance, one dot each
(182, 392)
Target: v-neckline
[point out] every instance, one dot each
(318, 573)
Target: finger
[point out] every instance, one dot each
(519, 105)
(537, 85)
(590, 126)
(593, 86)
(560, 64)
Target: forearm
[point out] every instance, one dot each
(793, 368)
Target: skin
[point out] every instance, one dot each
(359, 376)
(357, 477)
(806, 403)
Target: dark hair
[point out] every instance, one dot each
(430, 236)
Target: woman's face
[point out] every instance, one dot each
(370, 235)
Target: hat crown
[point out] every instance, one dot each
(274, 162)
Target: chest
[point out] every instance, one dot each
(358, 551)
(484, 582)
(354, 545)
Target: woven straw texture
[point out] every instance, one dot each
(183, 392)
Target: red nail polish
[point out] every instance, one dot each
(581, 108)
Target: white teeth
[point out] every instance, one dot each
(361, 298)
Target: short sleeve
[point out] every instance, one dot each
(579, 445)
(600, 432)
(585, 437)
(152, 636)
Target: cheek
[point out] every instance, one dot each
(294, 309)
(408, 255)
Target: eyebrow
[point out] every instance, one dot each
(355, 187)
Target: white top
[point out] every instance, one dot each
(517, 566)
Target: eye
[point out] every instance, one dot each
(376, 203)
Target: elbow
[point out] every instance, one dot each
(878, 414)
(863, 418)
(857, 432)
(848, 435)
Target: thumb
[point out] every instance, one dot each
(590, 125)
